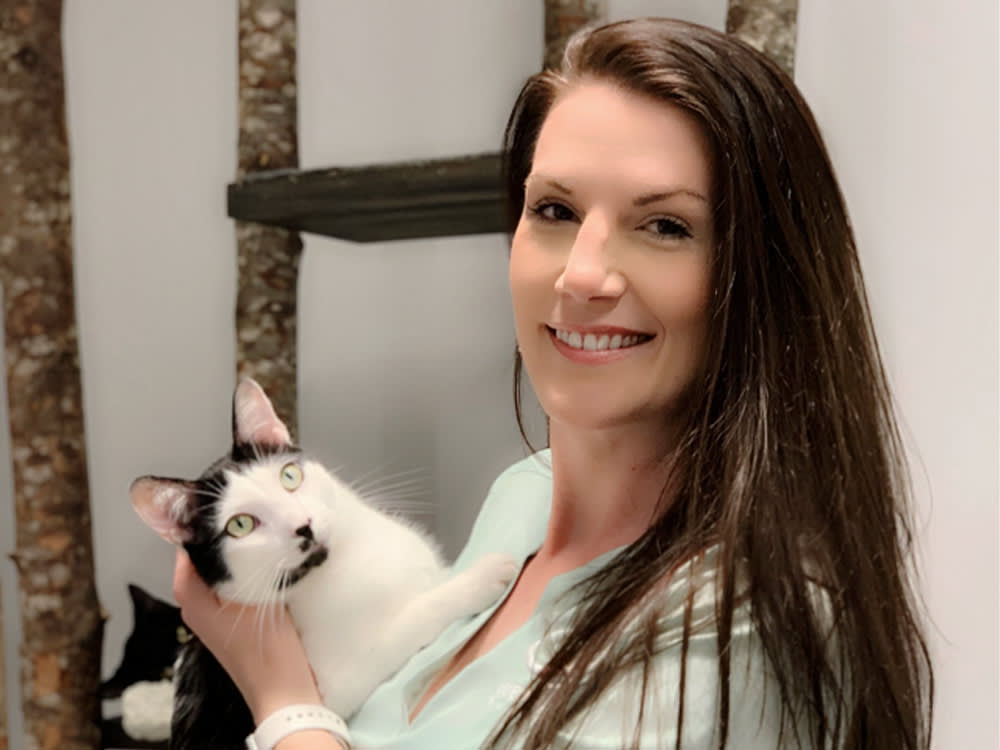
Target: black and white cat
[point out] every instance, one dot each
(267, 526)
(136, 704)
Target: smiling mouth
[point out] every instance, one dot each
(597, 342)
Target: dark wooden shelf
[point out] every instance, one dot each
(436, 198)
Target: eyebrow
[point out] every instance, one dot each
(643, 200)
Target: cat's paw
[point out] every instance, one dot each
(489, 578)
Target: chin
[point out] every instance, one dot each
(589, 414)
(598, 412)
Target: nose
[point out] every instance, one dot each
(306, 533)
(589, 273)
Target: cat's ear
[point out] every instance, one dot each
(165, 506)
(254, 418)
(142, 600)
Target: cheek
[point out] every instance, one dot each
(517, 275)
(254, 562)
(681, 295)
(531, 278)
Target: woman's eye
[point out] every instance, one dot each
(291, 476)
(667, 228)
(553, 212)
(240, 525)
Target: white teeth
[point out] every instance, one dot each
(592, 342)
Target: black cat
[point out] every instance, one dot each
(149, 655)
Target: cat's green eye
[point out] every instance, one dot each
(291, 476)
(241, 525)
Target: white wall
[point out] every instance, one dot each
(906, 94)
(152, 122)
(406, 347)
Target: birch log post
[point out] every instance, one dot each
(60, 616)
(268, 257)
(562, 18)
(767, 25)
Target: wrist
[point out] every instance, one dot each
(271, 702)
(300, 726)
(311, 739)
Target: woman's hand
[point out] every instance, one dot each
(262, 652)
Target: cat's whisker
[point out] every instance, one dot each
(214, 488)
(401, 495)
(247, 590)
(360, 480)
(273, 593)
(395, 493)
(381, 499)
(280, 596)
(274, 598)
(367, 485)
(412, 507)
(239, 616)
(258, 626)
(416, 477)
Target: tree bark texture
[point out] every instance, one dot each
(562, 18)
(268, 257)
(767, 25)
(60, 615)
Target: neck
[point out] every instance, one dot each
(608, 487)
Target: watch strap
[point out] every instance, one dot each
(297, 718)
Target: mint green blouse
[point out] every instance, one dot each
(463, 712)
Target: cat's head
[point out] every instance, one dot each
(254, 523)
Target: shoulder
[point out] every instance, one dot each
(529, 480)
(515, 512)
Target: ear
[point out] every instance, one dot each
(254, 418)
(142, 601)
(165, 506)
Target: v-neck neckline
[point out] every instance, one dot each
(555, 587)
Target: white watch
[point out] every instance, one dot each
(297, 718)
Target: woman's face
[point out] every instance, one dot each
(610, 262)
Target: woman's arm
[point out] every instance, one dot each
(270, 672)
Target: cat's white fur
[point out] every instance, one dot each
(382, 593)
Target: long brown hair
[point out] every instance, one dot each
(792, 464)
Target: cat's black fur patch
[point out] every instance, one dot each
(316, 559)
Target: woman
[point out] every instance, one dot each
(715, 551)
